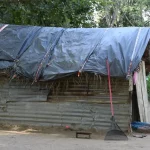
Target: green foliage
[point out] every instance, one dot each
(66, 13)
(125, 13)
(76, 13)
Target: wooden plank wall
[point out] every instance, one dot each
(79, 102)
(142, 96)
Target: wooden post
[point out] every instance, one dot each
(142, 96)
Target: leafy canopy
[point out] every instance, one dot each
(76, 13)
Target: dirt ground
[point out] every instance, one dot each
(30, 139)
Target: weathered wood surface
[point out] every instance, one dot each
(70, 102)
(142, 96)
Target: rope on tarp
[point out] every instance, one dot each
(37, 74)
(3, 27)
(23, 48)
(134, 50)
(87, 58)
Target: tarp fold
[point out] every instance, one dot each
(49, 53)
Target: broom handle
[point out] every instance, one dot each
(110, 92)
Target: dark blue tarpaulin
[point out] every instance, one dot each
(49, 52)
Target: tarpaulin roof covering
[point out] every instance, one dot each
(49, 52)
